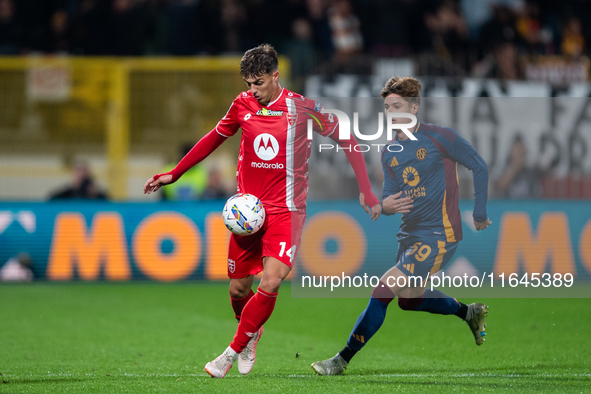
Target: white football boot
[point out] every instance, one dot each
(219, 367)
(475, 319)
(248, 356)
(333, 366)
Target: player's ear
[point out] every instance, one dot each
(415, 108)
(275, 76)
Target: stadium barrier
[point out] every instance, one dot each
(127, 117)
(88, 241)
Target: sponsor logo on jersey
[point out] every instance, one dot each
(269, 166)
(317, 106)
(394, 162)
(247, 116)
(410, 176)
(421, 153)
(231, 265)
(266, 146)
(415, 193)
(268, 112)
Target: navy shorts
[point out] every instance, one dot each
(424, 256)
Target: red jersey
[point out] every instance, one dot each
(275, 149)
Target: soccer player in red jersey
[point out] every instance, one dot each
(272, 165)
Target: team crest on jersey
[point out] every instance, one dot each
(421, 153)
(410, 176)
(267, 112)
(231, 266)
(292, 119)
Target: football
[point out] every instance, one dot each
(244, 214)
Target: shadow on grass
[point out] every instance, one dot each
(65, 379)
(534, 371)
(540, 377)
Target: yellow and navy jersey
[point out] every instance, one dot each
(426, 171)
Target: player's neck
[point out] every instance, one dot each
(401, 136)
(276, 93)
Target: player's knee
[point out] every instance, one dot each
(270, 284)
(238, 293)
(239, 289)
(409, 304)
(383, 293)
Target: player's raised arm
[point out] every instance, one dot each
(200, 151)
(367, 199)
(226, 127)
(461, 151)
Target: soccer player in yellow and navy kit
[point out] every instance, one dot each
(420, 181)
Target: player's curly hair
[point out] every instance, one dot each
(407, 87)
(259, 61)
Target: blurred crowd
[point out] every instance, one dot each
(449, 37)
(204, 181)
(479, 38)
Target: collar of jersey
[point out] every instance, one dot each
(277, 99)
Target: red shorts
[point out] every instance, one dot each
(279, 238)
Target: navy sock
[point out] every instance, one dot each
(368, 323)
(463, 311)
(434, 301)
(347, 353)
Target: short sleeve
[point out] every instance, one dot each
(323, 124)
(229, 124)
(331, 123)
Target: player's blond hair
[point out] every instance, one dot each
(259, 61)
(407, 87)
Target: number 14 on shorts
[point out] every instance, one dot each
(289, 252)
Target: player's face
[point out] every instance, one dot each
(394, 103)
(264, 88)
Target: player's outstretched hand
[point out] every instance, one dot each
(376, 209)
(482, 225)
(156, 182)
(394, 204)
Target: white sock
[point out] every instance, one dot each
(232, 353)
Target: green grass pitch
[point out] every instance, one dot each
(150, 337)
